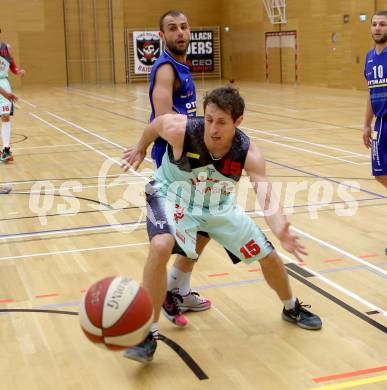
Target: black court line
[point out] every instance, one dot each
(143, 221)
(336, 300)
(71, 313)
(324, 178)
(63, 196)
(75, 230)
(301, 271)
(23, 138)
(68, 178)
(195, 368)
(69, 213)
(181, 352)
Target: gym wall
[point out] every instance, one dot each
(321, 62)
(35, 29)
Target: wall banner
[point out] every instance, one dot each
(200, 56)
(147, 49)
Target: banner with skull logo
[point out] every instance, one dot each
(147, 49)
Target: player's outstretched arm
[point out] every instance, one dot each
(171, 127)
(14, 69)
(269, 202)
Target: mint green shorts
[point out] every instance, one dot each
(232, 228)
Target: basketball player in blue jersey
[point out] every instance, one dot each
(172, 90)
(376, 75)
(171, 86)
(204, 161)
(6, 97)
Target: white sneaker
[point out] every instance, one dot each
(193, 302)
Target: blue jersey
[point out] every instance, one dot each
(183, 100)
(375, 72)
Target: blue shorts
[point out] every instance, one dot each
(158, 150)
(379, 148)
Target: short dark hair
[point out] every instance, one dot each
(227, 99)
(171, 12)
(379, 13)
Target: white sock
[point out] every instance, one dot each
(185, 286)
(6, 133)
(289, 303)
(175, 278)
(154, 329)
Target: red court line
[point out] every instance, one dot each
(371, 255)
(255, 270)
(6, 300)
(47, 295)
(332, 260)
(215, 275)
(349, 374)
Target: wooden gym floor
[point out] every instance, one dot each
(59, 233)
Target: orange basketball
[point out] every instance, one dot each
(116, 312)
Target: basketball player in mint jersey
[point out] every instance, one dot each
(376, 75)
(194, 190)
(172, 91)
(7, 97)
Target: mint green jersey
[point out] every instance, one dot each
(197, 194)
(5, 60)
(197, 180)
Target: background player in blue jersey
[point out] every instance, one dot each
(6, 97)
(376, 75)
(171, 86)
(198, 146)
(172, 90)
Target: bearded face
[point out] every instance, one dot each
(178, 47)
(176, 34)
(380, 39)
(379, 29)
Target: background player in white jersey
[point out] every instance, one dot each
(206, 156)
(6, 97)
(375, 72)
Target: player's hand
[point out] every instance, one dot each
(367, 139)
(21, 72)
(11, 96)
(133, 157)
(290, 242)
